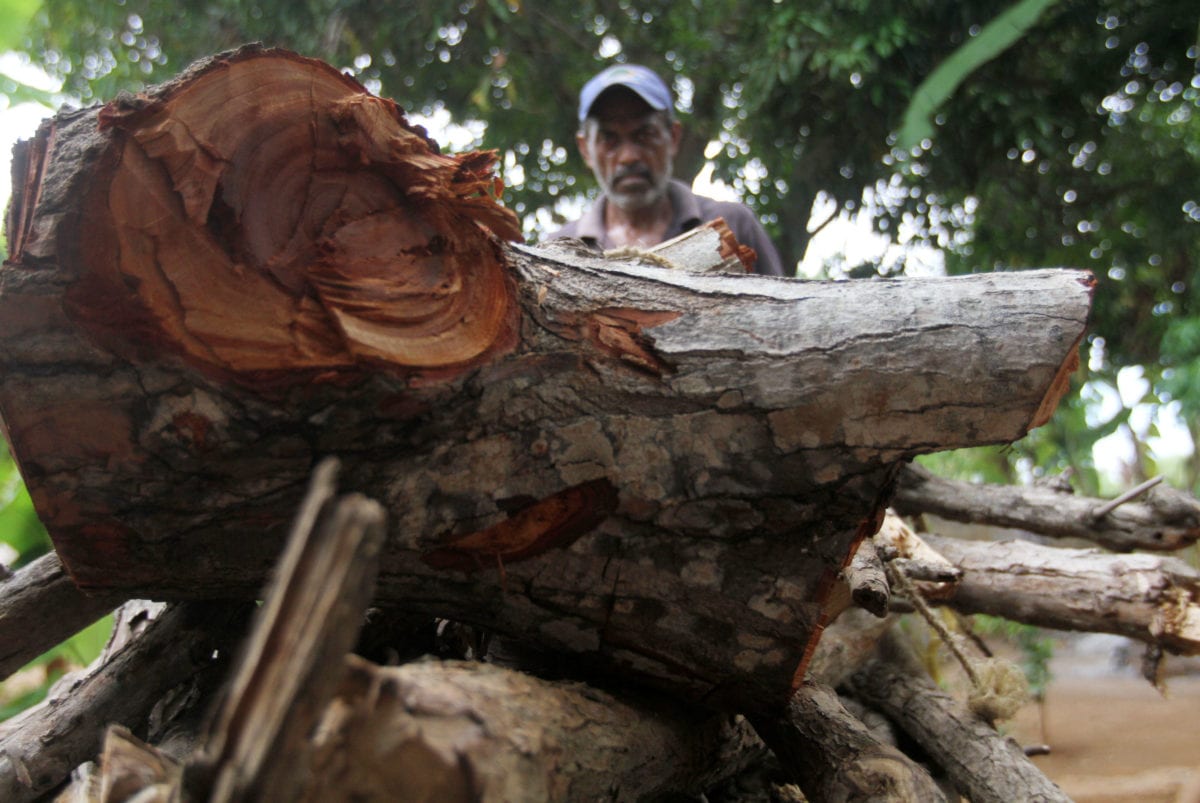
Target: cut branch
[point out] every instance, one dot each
(868, 585)
(42, 745)
(1166, 520)
(40, 607)
(833, 756)
(984, 766)
(1147, 597)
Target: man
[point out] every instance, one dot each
(628, 136)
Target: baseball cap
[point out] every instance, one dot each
(642, 80)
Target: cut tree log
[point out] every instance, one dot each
(40, 607)
(214, 285)
(984, 766)
(1166, 520)
(1151, 598)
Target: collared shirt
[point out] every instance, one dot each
(689, 210)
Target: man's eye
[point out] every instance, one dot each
(648, 136)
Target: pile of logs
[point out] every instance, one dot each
(646, 498)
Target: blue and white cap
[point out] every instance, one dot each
(642, 80)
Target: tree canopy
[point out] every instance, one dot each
(1063, 134)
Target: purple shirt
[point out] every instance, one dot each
(690, 210)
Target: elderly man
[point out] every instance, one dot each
(628, 136)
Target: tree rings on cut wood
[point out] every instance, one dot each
(268, 218)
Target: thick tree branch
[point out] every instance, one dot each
(42, 745)
(983, 765)
(1147, 597)
(832, 756)
(40, 607)
(1166, 519)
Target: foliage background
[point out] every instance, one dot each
(997, 135)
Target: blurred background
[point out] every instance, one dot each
(873, 137)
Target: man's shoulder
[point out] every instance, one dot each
(569, 230)
(714, 207)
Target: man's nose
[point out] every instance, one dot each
(628, 151)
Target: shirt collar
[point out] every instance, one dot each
(685, 214)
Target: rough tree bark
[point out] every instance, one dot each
(42, 745)
(212, 286)
(1151, 598)
(984, 766)
(40, 607)
(1166, 520)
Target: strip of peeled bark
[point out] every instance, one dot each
(1147, 597)
(41, 746)
(832, 756)
(1166, 520)
(984, 766)
(663, 472)
(257, 747)
(40, 607)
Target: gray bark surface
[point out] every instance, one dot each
(1151, 598)
(984, 766)
(40, 607)
(1165, 520)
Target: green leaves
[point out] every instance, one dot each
(20, 528)
(24, 535)
(14, 18)
(992, 40)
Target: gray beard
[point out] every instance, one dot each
(633, 201)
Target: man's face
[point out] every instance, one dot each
(630, 147)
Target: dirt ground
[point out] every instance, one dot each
(1113, 737)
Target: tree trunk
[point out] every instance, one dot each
(215, 284)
